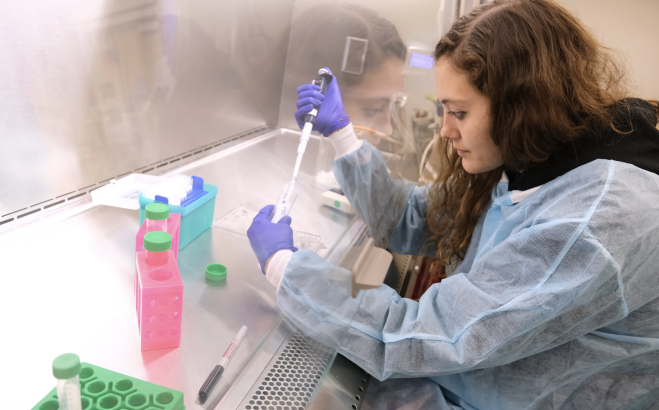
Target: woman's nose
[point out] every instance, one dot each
(384, 125)
(449, 130)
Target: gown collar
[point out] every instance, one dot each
(515, 196)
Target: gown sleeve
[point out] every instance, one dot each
(393, 209)
(543, 285)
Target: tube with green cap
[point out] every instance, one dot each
(156, 215)
(66, 369)
(157, 244)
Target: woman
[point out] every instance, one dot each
(548, 202)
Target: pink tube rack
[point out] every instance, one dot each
(174, 229)
(160, 299)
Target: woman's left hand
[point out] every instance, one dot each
(267, 237)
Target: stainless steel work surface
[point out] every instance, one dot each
(68, 281)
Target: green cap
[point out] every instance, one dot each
(216, 272)
(66, 366)
(156, 211)
(157, 241)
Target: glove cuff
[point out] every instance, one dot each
(345, 141)
(343, 121)
(277, 266)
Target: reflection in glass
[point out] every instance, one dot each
(112, 87)
(368, 56)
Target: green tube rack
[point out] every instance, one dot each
(102, 389)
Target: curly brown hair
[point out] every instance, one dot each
(548, 80)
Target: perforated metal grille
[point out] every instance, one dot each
(355, 249)
(291, 377)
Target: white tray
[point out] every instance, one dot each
(239, 220)
(124, 193)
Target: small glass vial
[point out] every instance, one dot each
(157, 245)
(156, 215)
(66, 369)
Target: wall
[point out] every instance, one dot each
(632, 27)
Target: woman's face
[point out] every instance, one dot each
(368, 103)
(467, 121)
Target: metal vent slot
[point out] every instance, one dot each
(403, 263)
(22, 209)
(289, 381)
(39, 203)
(141, 170)
(349, 259)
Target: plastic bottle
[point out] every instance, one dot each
(156, 215)
(157, 245)
(66, 369)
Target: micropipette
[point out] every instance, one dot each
(290, 192)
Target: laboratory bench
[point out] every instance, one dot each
(68, 287)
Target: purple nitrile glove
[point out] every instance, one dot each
(267, 237)
(331, 114)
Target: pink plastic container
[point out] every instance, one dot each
(160, 299)
(174, 229)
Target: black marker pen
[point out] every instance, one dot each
(214, 377)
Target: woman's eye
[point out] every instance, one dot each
(459, 115)
(369, 113)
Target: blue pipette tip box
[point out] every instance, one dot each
(197, 210)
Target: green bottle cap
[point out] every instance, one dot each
(157, 241)
(216, 272)
(66, 366)
(156, 211)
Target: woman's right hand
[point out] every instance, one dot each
(331, 114)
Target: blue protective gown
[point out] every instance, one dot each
(556, 307)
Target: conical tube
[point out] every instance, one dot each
(285, 202)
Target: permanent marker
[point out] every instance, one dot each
(214, 377)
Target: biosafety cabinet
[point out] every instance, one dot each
(94, 92)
